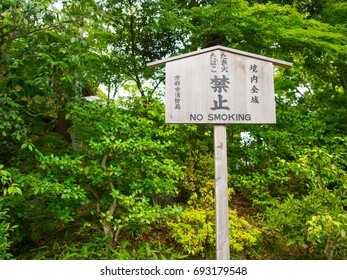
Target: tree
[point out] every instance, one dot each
(132, 34)
(120, 163)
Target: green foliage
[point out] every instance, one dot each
(194, 229)
(121, 164)
(243, 236)
(329, 229)
(133, 34)
(11, 121)
(315, 221)
(100, 249)
(9, 190)
(5, 230)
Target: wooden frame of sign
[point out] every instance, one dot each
(220, 86)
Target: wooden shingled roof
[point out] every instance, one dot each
(221, 48)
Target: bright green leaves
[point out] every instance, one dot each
(320, 169)
(9, 187)
(317, 218)
(262, 26)
(135, 213)
(314, 44)
(329, 229)
(13, 189)
(121, 165)
(301, 197)
(5, 175)
(194, 228)
(316, 222)
(9, 190)
(132, 33)
(133, 145)
(20, 19)
(5, 232)
(28, 145)
(11, 122)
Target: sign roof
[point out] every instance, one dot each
(222, 48)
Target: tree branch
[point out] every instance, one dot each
(113, 206)
(103, 163)
(133, 50)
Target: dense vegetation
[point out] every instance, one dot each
(110, 180)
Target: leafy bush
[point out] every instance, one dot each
(317, 221)
(99, 248)
(120, 164)
(5, 229)
(8, 189)
(194, 230)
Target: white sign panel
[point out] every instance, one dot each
(220, 87)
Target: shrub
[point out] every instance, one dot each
(194, 230)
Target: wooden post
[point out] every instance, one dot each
(221, 193)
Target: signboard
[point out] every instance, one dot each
(220, 85)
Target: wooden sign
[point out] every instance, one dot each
(220, 85)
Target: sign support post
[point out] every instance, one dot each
(221, 193)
